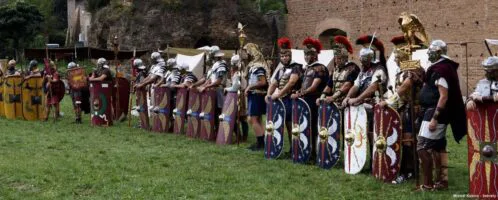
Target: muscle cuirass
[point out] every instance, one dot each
(340, 76)
(310, 73)
(285, 76)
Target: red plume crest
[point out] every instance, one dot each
(344, 41)
(310, 42)
(284, 43)
(366, 39)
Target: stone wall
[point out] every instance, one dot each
(454, 21)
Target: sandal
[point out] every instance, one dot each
(423, 188)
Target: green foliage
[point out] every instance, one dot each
(20, 22)
(62, 160)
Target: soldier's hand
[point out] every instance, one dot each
(318, 101)
(432, 125)
(329, 99)
(355, 101)
(471, 105)
(267, 98)
(295, 96)
(275, 96)
(345, 102)
(201, 89)
(383, 104)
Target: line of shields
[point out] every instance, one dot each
(184, 111)
(336, 127)
(190, 112)
(22, 98)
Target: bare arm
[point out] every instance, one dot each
(272, 88)
(213, 84)
(369, 91)
(313, 88)
(261, 83)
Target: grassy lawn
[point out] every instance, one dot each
(46, 160)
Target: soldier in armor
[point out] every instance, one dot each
(373, 75)
(409, 81)
(440, 92)
(236, 86)
(157, 71)
(344, 74)
(215, 78)
(55, 89)
(188, 77)
(315, 79)
(33, 70)
(486, 89)
(76, 96)
(285, 81)
(11, 69)
(102, 73)
(141, 70)
(255, 92)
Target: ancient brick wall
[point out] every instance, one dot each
(454, 21)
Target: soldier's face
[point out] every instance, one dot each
(492, 74)
(285, 58)
(434, 56)
(310, 58)
(366, 60)
(339, 60)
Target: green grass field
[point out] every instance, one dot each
(47, 160)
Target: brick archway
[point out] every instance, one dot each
(331, 27)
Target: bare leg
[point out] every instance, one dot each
(426, 161)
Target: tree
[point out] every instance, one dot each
(20, 22)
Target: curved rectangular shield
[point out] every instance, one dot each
(482, 141)
(227, 119)
(143, 108)
(12, 97)
(77, 78)
(161, 110)
(32, 99)
(180, 111)
(121, 96)
(207, 115)
(101, 103)
(194, 109)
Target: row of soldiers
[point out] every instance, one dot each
(422, 97)
(49, 82)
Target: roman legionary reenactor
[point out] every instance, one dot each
(442, 104)
(188, 77)
(11, 69)
(157, 71)
(285, 81)
(407, 87)
(372, 78)
(255, 92)
(315, 79)
(33, 70)
(54, 89)
(344, 74)
(141, 71)
(215, 79)
(102, 73)
(79, 91)
(486, 89)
